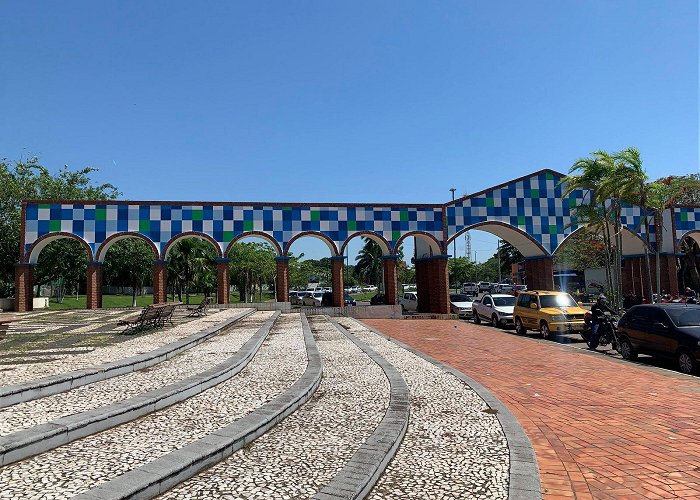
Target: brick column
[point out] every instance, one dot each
(24, 287)
(539, 273)
(222, 280)
(337, 279)
(390, 285)
(669, 273)
(440, 290)
(160, 281)
(93, 293)
(282, 282)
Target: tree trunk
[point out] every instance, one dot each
(133, 295)
(647, 261)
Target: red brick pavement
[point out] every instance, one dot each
(600, 428)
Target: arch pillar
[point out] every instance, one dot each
(337, 280)
(433, 284)
(160, 281)
(390, 283)
(282, 282)
(223, 282)
(24, 287)
(93, 293)
(539, 273)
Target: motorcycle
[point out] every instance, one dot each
(607, 331)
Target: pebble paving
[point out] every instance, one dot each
(72, 469)
(215, 350)
(303, 453)
(18, 373)
(452, 449)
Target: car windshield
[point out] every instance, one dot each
(504, 301)
(559, 300)
(458, 297)
(684, 316)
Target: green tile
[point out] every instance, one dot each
(315, 215)
(553, 230)
(100, 214)
(521, 220)
(228, 235)
(684, 216)
(352, 225)
(534, 193)
(54, 225)
(549, 176)
(247, 225)
(144, 226)
(573, 202)
(44, 205)
(404, 216)
(489, 202)
(197, 214)
(395, 235)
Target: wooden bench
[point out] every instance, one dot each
(5, 324)
(148, 317)
(200, 310)
(166, 313)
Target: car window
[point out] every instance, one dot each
(486, 301)
(524, 300)
(533, 300)
(684, 316)
(504, 301)
(458, 297)
(559, 300)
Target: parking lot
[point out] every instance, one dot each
(601, 427)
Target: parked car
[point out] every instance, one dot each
(484, 286)
(496, 308)
(313, 299)
(503, 288)
(548, 312)
(519, 288)
(662, 330)
(298, 299)
(461, 304)
(377, 300)
(409, 301)
(292, 296)
(470, 288)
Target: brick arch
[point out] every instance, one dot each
(258, 234)
(377, 238)
(331, 244)
(101, 252)
(528, 246)
(32, 254)
(189, 234)
(435, 245)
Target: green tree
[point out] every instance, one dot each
(129, 262)
(188, 259)
(252, 266)
(369, 266)
(29, 180)
(461, 269)
(584, 250)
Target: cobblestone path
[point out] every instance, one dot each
(601, 428)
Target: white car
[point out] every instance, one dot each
(298, 297)
(409, 302)
(461, 304)
(313, 299)
(470, 288)
(495, 308)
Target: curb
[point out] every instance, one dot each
(524, 474)
(44, 437)
(154, 478)
(54, 384)
(362, 471)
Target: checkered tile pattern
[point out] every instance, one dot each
(686, 219)
(533, 205)
(161, 222)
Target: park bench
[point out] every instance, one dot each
(200, 310)
(5, 323)
(148, 317)
(166, 313)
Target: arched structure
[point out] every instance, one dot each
(530, 212)
(107, 244)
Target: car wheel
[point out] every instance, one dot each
(477, 319)
(626, 350)
(494, 321)
(544, 331)
(403, 309)
(519, 327)
(686, 362)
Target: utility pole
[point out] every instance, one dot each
(454, 243)
(468, 245)
(498, 252)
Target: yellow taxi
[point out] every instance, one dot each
(548, 312)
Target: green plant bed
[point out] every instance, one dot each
(363, 296)
(70, 302)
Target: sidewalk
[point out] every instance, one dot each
(600, 428)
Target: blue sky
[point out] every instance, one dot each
(348, 102)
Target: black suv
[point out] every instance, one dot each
(327, 300)
(663, 330)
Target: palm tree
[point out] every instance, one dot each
(188, 259)
(369, 265)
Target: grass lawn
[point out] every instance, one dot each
(363, 296)
(70, 302)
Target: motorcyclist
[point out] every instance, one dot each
(598, 313)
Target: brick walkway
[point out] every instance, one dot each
(600, 428)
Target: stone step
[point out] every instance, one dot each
(41, 438)
(39, 388)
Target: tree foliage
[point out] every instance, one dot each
(191, 266)
(252, 266)
(129, 262)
